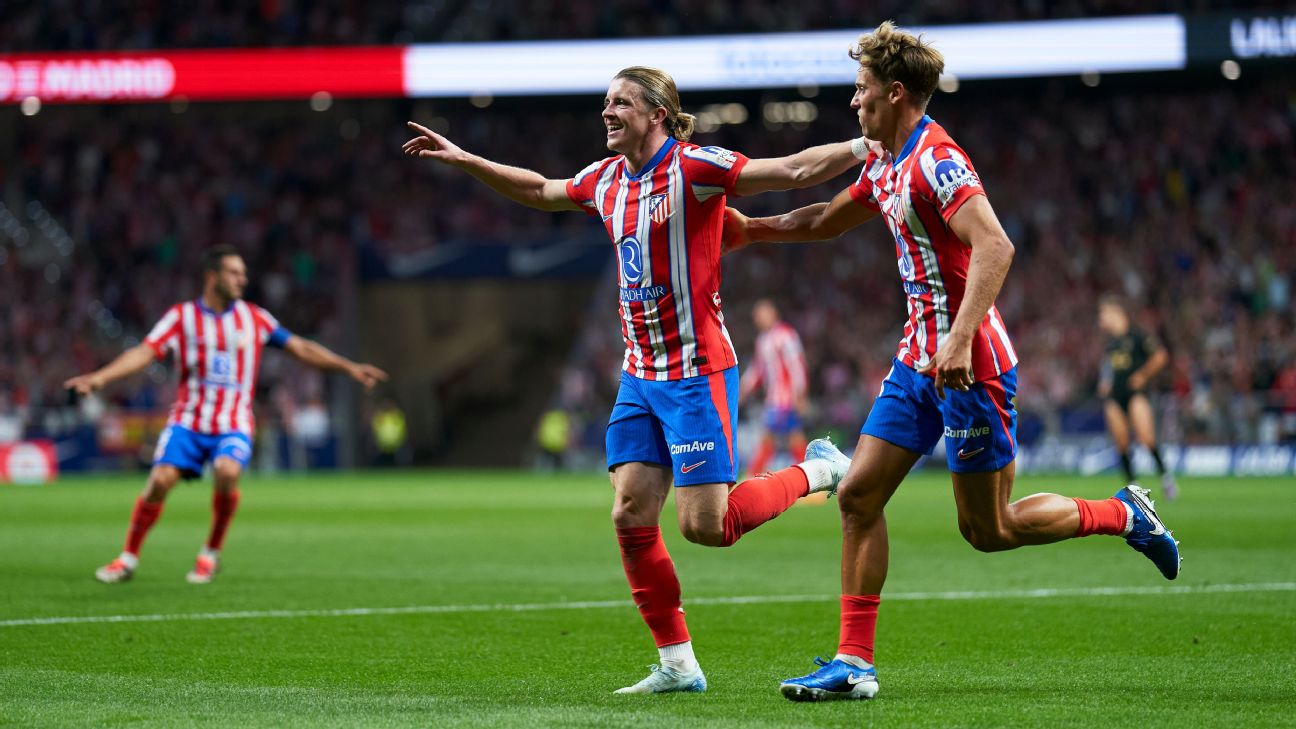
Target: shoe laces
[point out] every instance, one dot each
(821, 662)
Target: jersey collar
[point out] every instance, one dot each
(203, 307)
(912, 141)
(661, 153)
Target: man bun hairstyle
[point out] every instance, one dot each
(658, 89)
(892, 54)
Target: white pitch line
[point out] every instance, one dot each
(1041, 593)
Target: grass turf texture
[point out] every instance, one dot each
(391, 540)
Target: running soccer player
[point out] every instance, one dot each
(662, 200)
(781, 369)
(1132, 360)
(217, 341)
(955, 373)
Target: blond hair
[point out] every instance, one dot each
(658, 89)
(892, 54)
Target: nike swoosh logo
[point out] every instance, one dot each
(855, 679)
(964, 455)
(686, 469)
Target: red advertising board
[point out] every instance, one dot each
(201, 75)
(28, 462)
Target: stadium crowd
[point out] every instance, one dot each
(1194, 223)
(57, 25)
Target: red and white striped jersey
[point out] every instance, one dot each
(780, 367)
(666, 222)
(918, 192)
(218, 356)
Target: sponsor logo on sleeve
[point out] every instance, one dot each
(952, 175)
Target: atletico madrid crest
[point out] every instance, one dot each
(659, 208)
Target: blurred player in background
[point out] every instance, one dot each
(217, 341)
(1132, 359)
(955, 373)
(779, 366)
(662, 201)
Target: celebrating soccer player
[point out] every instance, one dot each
(662, 202)
(781, 369)
(217, 342)
(955, 373)
(1133, 359)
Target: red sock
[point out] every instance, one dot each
(653, 584)
(142, 519)
(224, 504)
(757, 500)
(858, 625)
(1105, 516)
(797, 447)
(761, 458)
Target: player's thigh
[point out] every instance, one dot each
(1140, 416)
(982, 501)
(876, 470)
(639, 493)
(164, 475)
(701, 508)
(1117, 424)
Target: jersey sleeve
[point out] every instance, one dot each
(580, 189)
(711, 171)
(271, 331)
(862, 189)
(164, 338)
(950, 178)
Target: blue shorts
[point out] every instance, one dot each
(189, 451)
(980, 425)
(686, 424)
(782, 421)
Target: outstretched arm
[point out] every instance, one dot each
(976, 224)
(821, 221)
(806, 168)
(127, 363)
(515, 183)
(317, 355)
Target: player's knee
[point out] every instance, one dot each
(988, 539)
(632, 512)
(856, 499)
(707, 532)
(226, 473)
(160, 483)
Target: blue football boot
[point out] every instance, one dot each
(834, 680)
(1147, 534)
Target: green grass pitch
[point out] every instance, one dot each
(485, 541)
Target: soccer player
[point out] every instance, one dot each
(217, 341)
(662, 200)
(781, 369)
(1132, 360)
(955, 373)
